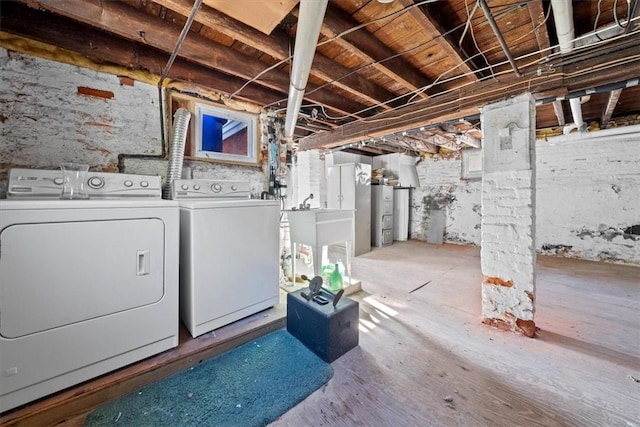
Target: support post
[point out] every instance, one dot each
(508, 254)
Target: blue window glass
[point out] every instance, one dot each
(212, 133)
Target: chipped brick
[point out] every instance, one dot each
(83, 90)
(126, 81)
(526, 327)
(497, 281)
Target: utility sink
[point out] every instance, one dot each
(318, 228)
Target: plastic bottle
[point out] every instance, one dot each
(335, 279)
(340, 267)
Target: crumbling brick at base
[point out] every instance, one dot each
(525, 327)
(488, 280)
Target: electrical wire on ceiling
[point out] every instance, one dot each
(438, 79)
(536, 61)
(381, 61)
(420, 46)
(473, 37)
(340, 35)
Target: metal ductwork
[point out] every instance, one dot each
(309, 23)
(563, 18)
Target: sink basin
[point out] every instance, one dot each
(320, 227)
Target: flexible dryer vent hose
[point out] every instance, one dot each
(176, 151)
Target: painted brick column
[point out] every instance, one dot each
(508, 255)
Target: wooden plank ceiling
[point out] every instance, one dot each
(404, 76)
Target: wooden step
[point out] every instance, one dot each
(70, 407)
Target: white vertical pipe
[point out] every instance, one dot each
(563, 17)
(576, 112)
(309, 23)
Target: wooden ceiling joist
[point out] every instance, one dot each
(559, 111)
(371, 50)
(610, 107)
(623, 59)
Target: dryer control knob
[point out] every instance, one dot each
(128, 183)
(216, 188)
(96, 182)
(196, 187)
(144, 184)
(234, 188)
(184, 187)
(58, 181)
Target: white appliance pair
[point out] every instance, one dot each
(229, 253)
(86, 286)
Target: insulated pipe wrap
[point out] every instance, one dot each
(176, 151)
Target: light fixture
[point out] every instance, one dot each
(385, 1)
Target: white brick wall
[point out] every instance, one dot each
(587, 193)
(45, 122)
(440, 183)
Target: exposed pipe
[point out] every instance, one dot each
(176, 152)
(563, 18)
(309, 23)
(496, 30)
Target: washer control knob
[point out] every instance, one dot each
(196, 187)
(144, 184)
(96, 182)
(234, 188)
(185, 187)
(57, 181)
(128, 183)
(216, 188)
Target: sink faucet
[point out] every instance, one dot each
(304, 205)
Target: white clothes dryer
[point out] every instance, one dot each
(86, 286)
(229, 253)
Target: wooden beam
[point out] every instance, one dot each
(133, 24)
(101, 48)
(557, 108)
(277, 46)
(469, 140)
(434, 30)
(610, 107)
(536, 12)
(467, 100)
(423, 145)
(371, 50)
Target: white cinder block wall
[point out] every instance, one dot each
(47, 120)
(587, 196)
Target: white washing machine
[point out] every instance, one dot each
(229, 253)
(86, 286)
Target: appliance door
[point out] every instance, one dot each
(234, 259)
(63, 273)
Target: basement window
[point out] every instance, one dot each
(219, 133)
(227, 135)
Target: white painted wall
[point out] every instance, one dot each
(587, 194)
(44, 121)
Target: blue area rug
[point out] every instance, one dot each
(251, 385)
